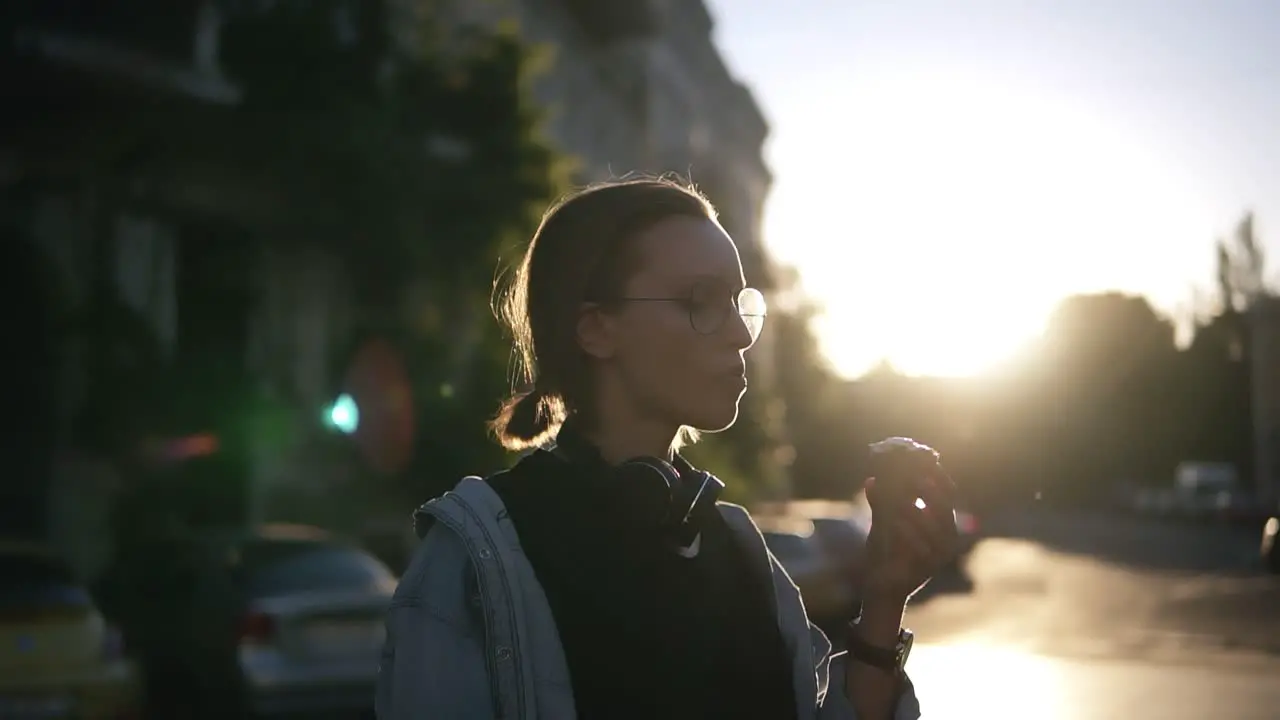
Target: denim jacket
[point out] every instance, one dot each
(470, 633)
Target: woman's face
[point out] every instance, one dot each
(676, 340)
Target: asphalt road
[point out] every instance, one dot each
(1101, 618)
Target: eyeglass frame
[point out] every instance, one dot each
(687, 301)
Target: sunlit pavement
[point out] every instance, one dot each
(1094, 618)
(993, 683)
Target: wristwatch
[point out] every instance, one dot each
(892, 660)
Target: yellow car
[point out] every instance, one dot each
(58, 656)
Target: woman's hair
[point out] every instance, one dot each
(581, 251)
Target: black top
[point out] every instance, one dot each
(646, 632)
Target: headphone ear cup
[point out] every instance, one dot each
(651, 484)
(653, 470)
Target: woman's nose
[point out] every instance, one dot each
(740, 334)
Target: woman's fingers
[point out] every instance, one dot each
(935, 532)
(939, 491)
(923, 539)
(913, 543)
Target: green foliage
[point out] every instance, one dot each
(420, 167)
(433, 159)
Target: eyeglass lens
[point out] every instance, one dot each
(708, 309)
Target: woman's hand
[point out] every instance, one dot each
(903, 554)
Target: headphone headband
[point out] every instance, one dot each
(690, 495)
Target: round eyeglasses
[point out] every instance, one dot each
(711, 303)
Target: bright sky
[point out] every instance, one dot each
(968, 164)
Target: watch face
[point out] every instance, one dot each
(905, 640)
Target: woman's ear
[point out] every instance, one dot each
(596, 331)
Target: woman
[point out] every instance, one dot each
(586, 583)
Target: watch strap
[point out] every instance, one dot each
(888, 659)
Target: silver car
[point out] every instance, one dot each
(313, 622)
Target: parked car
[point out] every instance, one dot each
(314, 621)
(1154, 502)
(827, 589)
(58, 656)
(970, 530)
(840, 532)
(844, 541)
(303, 618)
(1244, 509)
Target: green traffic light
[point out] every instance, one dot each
(344, 415)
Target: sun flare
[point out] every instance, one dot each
(955, 213)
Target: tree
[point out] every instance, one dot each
(1104, 392)
(1104, 397)
(805, 381)
(418, 167)
(1241, 267)
(1240, 272)
(1215, 365)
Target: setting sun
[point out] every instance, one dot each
(944, 215)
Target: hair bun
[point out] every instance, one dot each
(528, 419)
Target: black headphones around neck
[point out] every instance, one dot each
(691, 494)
